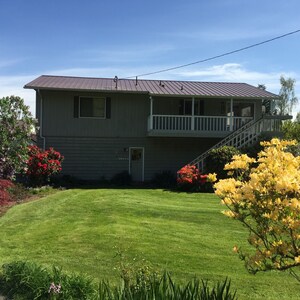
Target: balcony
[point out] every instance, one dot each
(194, 126)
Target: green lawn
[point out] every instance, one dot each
(186, 234)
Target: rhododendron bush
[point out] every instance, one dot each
(41, 164)
(5, 186)
(190, 179)
(264, 195)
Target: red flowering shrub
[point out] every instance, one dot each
(5, 197)
(190, 179)
(41, 164)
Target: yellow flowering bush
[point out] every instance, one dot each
(264, 195)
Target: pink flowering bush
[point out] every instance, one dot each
(190, 179)
(41, 165)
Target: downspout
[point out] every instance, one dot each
(231, 114)
(41, 120)
(151, 114)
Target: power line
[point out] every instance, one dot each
(217, 56)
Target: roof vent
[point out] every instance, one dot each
(116, 82)
(181, 88)
(161, 84)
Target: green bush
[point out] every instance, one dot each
(122, 179)
(165, 179)
(166, 289)
(29, 281)
(218, 158)
(19, 192)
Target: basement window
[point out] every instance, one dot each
(90, 107)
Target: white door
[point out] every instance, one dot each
(136, 163)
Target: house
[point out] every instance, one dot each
(104, 126)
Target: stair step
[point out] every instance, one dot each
(244, 136)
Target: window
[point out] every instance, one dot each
(241, 109)
(90, 107)
(186, 107)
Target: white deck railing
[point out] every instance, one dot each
(196, 123)
(243, 137)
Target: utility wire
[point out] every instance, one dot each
(217, 56)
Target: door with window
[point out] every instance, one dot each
(136, 163)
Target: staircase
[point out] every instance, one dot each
(245, 136)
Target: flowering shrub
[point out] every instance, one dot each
(5, 197)
(54, 289)
(41, 165)
(218, 158)
(265, 196)
(190, 179)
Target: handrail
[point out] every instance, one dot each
(231, 138)
(196, 123)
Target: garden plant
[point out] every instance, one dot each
(42, 164)
(264, 195)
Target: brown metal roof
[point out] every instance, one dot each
(152, 87)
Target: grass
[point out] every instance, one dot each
(185, 234)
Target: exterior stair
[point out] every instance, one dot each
(245, 136)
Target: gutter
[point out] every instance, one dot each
(41, 120)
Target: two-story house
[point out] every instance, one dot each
(104, 126)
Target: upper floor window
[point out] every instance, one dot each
(241, 109)
(186, 107)
(91, 107)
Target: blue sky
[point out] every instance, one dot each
(100, 38)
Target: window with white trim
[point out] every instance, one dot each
(91, 107)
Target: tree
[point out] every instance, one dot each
(265, 198)
(287, 98)
(16, 125)
(297, 119)
(291, 130)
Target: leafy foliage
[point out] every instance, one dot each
(26, 280)
(16, 124)
(287, 98)
(122, 179)
(165, 288)
(291, 130)
(41, 165)
(218, 158)
(264, 196)
(165, 179)
(5, 196)
(190, 179)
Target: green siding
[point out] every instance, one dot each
(129, 115)
(93, 158)
(96, 148)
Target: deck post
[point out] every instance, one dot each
(193, 114)
(151, 113)
(231, 114)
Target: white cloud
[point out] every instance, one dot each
(234, 72)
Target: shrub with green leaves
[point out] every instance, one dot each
(164, 288)
(122, 179)
(218, 158)
(30, 281)
(164, 179)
